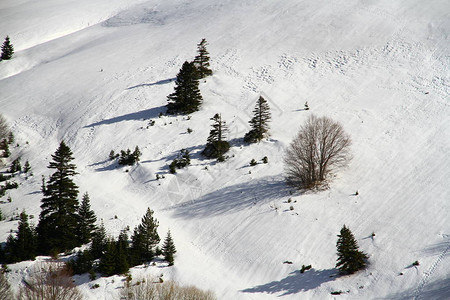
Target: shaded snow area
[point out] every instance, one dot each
(94, 72)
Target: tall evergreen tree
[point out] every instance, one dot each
(122, 247)
(259, 122)
(350, 259)
(107, 263)
(186, 98)
(24, 245)
(201, 61)
(99, 242)
(169, 249)
(7, 49)
(58, 219)
(86, 220)
(145, 238)
(216, 145)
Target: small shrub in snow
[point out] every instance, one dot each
(291, 208)
(305, 268)
(183, 159)
(253, 162)
(306, 105)
(416, 263)
(95, 286)
(265, 160)
(189, 130)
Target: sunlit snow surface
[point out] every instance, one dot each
(93, 72)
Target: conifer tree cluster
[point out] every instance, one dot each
(350, 259)
(187, 98)
(216, 145)
(128, 158)
(259, 122)
(116, 256)
(7, 49)
(23, 245)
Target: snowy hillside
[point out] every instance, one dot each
(94, 72)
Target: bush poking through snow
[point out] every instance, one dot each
(253, 162)
(183, 159)
(305, 268)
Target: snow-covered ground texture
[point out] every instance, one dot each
(94, 72)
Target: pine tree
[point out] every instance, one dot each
(201, 61)
(168, 249)
(86, 220)
(99, 242)
(24, 245)
(350, 259)
(187, 98)
(122, 247)
(144, 239)
(7, 49)
(58, 218)
(107, 264)
(259, 122)
(216, 145)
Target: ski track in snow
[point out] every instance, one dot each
(428, 274)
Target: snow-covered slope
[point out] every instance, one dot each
(381, 68)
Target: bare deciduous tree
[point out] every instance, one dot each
(151, 288)
(320, 147)
(5, 287)
(51, 281)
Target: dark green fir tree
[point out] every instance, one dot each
(216, 145)
(107, 263)
(144, 239)
(259, 122)
(24, 245)
(122, 246)
(201, 61)
(99, 242)
(350, 259)
(86, 220)
(58, 219)
(7, 49)
(186, 98)
(168, 249)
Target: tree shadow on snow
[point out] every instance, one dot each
(140, 115)
(165, 81)
(234, 198)
(296, 282)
